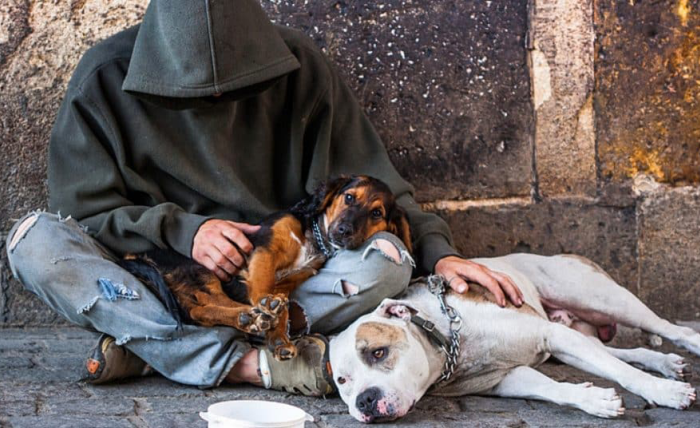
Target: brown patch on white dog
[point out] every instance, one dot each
(479, 294)
(379, 344)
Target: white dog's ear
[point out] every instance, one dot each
(390, 308)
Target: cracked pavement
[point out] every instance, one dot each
(39, 387)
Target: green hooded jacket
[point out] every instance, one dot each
(142, 152)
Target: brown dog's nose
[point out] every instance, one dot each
(345, 230)
(367, 401)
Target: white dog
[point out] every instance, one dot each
(385, 361)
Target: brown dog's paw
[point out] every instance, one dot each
(255, 321)
(284, 350)
(273, 304)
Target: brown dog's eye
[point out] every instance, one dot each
(349, 198)
(341, 380)
(377, 213)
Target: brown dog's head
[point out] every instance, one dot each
(356, 207)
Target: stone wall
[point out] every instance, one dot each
(545, 126)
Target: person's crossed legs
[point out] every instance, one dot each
(76, 276)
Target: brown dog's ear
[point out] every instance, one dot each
(327, 191)
(398, 225)
(322, 197)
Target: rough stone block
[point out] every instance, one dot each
(445, 84)
(17, 408)
(44, 334)
(666, 417)
(84, 421)
(44, 374)
(61, 405)
(544, 413)
(38, 52)
(169, 405)
(430, 403)
(13, 390)
(16, 362)
(561, 59)
(152, 386)
(606, 235)
(10, 346)
(174, 421)
(314, 406)
(433, 420)
(669, 255)
(647, 94)
(73, 361)
(62, 348)
(474, 403)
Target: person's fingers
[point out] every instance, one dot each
(512, 290)
(520, 292)
(458, 284)
(513, 284)
(210, 264)
(238, 237)
(230, 252)
(245, 227)
(222, 262)
(479, 274)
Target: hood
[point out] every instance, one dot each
(188, 49)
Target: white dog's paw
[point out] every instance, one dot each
(601, 402)
(690, 340)
(670, 393)
(673, 366)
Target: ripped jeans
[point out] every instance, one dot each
(76, 276)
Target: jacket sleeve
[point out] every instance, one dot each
(86, 182)
(347, 143)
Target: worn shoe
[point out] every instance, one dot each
(309, 373)
(108, 362)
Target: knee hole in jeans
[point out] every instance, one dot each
(21, 231)
(389, 250)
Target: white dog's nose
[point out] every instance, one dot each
(367, 401)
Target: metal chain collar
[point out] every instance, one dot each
(320, 242)
(437, 286)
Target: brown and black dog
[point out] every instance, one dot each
(290, 247)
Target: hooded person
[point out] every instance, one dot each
(205, 111)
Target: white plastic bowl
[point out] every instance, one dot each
(254, 414)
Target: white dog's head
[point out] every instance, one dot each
(382, 363)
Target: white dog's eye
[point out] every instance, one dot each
(376, 355)
(341, 380)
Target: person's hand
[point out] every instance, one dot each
(458, 271)
(218, 245)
